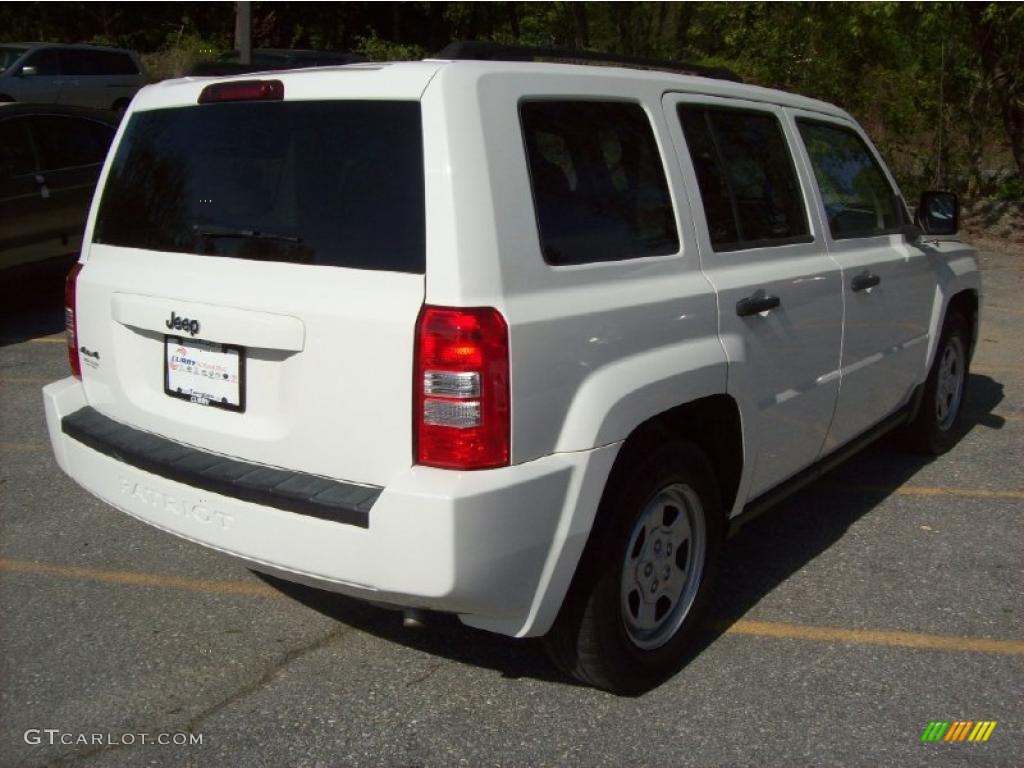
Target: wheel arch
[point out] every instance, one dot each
(712, 423)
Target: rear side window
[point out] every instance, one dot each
(858, 199)
(335, 183)
(746, 177)
(70, 142)
(598, 182)
(85, 62)
(16, 157)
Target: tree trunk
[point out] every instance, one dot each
(581, 39)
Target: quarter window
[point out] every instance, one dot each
(598, 182)
(747, 181)
(858, 199)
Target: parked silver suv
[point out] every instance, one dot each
(79, 75)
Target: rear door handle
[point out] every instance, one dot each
(865, 280)
(759, 302)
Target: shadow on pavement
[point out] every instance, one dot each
(761, 556)
(32, 301)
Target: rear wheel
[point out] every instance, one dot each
(934, 428)
(646, 574)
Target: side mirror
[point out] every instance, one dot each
(28, 71)
(938, 213)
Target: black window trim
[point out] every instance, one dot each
(604, 99)
(842, 125)
(748, 245)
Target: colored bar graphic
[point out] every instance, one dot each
(958, 730)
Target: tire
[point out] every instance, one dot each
(934, 429)
(607, 634)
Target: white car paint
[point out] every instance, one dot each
(595, 351)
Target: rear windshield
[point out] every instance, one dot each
(335, 183)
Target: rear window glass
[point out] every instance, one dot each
(598, 182)
(336, 183)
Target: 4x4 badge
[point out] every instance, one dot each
(182, 324)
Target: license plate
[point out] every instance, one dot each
(205, 373)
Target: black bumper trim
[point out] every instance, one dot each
(297, 492)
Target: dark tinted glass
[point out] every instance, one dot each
(598, 182)
(45, 62)
(746, 177)
(15, 149)
(69, 142)
(858, 199)
(84, 62)
(320, 182)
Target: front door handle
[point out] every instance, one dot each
(759, 302)
(865, 280)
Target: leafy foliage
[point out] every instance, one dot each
(940, 86)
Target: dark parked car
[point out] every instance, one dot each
(50, 159)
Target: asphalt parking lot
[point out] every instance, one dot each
(884, 597)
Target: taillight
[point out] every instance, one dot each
(243, 90)
(460, 389)
(71, 320)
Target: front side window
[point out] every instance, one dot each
(9, 54)
(745, 173)
(598, 182)
(45, 61)
(858, 199)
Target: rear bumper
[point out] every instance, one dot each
(497, 547)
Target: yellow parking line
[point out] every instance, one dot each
(133, 579)
(741, 627)
(1007, 310)
(27, 445)
(23, 380)
(875, 637)
(923, 490)
(50, 340)
(996, 369)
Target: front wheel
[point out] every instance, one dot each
(646, 574)
(933, 430)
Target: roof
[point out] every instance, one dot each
(670, 82)
(407, 79)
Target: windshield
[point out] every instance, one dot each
(315, 182)
(9, 55)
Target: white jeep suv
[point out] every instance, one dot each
(515, 341)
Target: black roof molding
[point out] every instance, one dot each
(477, 50)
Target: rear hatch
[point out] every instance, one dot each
(254, 276)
